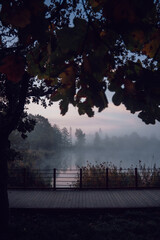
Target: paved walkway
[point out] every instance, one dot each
(66, 199)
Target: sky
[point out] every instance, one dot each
(113, 121)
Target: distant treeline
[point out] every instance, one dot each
(47, 143)
(43, 137)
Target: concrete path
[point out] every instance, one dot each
(72, 199)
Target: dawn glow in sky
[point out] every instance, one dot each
(113, 121)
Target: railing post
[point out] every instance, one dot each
(136, 178)
(106, 178)
(54, 178)
(80, 180)
(24, 177)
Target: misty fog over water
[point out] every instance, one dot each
(124, 151)
(124, 159)
(48, 147)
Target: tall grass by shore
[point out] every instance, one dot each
(108, 175)
(103, 175)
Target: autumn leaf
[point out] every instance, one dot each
(103, 34)
(138, 35)
(134, 40)
(68, 76)
(120, 11)
(49, 51)
(96, 3)
(18, 17)
(50, 81)
(51, 28)
(129, 86)
(13, 67)
(86, 64)
(152, 46)
(37, 7)
(123, 10)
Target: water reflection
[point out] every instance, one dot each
(71, 158)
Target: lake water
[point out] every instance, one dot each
(68, 162)
(72, 159)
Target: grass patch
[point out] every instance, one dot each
(129, 224)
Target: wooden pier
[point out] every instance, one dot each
(86, 199)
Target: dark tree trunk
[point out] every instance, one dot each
(4, 204)
(8, 123)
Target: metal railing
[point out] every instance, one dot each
(84, 178)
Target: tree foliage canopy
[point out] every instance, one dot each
(71, 51)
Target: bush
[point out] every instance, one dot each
(21, 175)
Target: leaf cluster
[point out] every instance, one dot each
(75, 49)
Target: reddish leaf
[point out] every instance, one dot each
(17, 16)
(13, 67)
(139, 36)
(86, 64)
(152, 46)
(120, 11)
(130, 86)
(123, 10)
(68, 76)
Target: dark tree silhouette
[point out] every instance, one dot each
(69, 51)
(80, 137)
